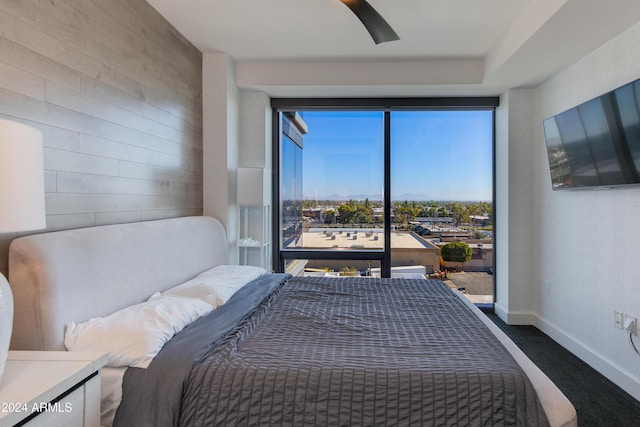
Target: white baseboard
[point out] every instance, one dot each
(622, 378)
(500, 312)
(515, 317)
(614, 373)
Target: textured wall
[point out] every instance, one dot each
(586, 247)
(514, 216)
(117, 94)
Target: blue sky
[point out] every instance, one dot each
(436, 155)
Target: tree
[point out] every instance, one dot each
(474, 210)
(459, 213)
(406, 212)
(346, 212)
(364, 213)
(329, 216)
(360, 217)
(456, 252)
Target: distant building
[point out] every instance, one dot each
(314, 213)
(481, 220)
(407, 249)
(434, 220)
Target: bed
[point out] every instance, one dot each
(276, 349)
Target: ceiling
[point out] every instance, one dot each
(446, 47)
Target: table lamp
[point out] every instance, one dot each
(21, 203)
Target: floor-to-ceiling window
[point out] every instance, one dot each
(442, 195)
(386, 188)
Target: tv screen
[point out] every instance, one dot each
(596, 144)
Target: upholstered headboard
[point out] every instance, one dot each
(75, 275)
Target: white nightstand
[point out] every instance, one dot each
(51, 388)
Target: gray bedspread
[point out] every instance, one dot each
(360, 352)
(152, 397)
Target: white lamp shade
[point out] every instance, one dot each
(21, 178)
(254, 186)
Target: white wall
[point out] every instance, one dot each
(221, 129)
(236, 132)
(255, 129)
(586, 243)
(515, 273)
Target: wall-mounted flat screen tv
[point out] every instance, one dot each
(596, 144)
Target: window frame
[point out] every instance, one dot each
(386, 105)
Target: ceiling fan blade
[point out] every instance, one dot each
(379, 29)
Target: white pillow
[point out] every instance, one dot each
(217, 284)
(134, 335)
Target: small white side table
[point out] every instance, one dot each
(51, 388)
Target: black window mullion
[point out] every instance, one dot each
(386, 262)
(332, 255)
(276, 130)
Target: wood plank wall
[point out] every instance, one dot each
(117, 94)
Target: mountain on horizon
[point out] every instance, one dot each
(373, 197)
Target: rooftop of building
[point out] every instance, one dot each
(360, 239)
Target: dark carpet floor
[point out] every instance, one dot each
(598, 401)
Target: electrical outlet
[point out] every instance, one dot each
(630, 324)
(617, 319)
